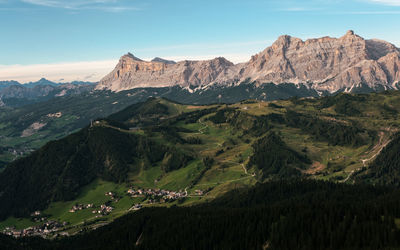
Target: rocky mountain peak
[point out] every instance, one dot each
(161, 60)
(222, 61)
(130, 56)
(327, 63)
(285, 41)
(349, 33)
(350, 36)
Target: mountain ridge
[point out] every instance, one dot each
(14, 93)
(325, 64)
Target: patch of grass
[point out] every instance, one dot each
(18, 223)
(181, 178)
(93, 193)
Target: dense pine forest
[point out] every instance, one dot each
(291, 214)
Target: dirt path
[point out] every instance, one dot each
(236, 163)
(201, 130)
(348, 177)
(384, 139)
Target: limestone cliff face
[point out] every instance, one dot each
(132, 72)
(325, 63)
(328, 63)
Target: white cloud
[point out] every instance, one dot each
(387, 2)
(85, 71)
(299, 9)
(388, 12)
(104, 5)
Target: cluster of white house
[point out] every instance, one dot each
(79, 207)
(104, 210)
(42, 230)
(161, 193)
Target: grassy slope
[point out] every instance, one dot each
(227, 172)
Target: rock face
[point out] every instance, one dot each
(326, 64)
(132, 72)
(158, 59)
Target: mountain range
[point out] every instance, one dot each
(13, 93)
(42, 81)
(324, 64)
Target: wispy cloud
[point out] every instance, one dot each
(298, 9)
(103, 5)
(389, 12)
(87, 71)
(387, 2)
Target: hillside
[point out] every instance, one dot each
(59, 170)
(198, 153)
(27, 128)
(385, 169)
(298, 214)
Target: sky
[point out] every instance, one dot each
(65, 40)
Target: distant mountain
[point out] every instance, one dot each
(14, 93)
(161, 60)
(41, 82)
(132, 72)
(5, 84)
(324, 64)
(81, 83)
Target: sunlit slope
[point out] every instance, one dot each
(202, 150)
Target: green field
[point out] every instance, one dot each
(230, 145)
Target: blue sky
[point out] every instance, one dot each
(44, 38)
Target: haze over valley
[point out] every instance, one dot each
(222, 125)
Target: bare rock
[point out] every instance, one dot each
(325, 63)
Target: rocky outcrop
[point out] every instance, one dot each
(325, 64)
(158, 59)
(133, 73)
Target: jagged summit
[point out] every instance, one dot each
(326, 64)
(158, 59)
(131, 56)
(131, 73)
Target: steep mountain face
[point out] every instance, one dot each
(325, 64)
(132, 72)
(328, 63)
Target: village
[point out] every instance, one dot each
(48, 228)
(157, 195)
(41, 230)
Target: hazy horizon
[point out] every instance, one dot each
(83, 40)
